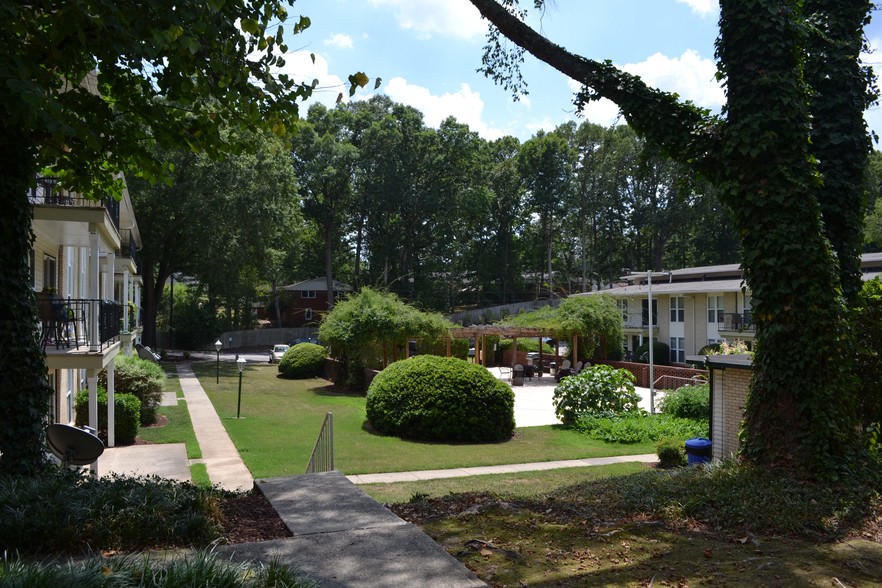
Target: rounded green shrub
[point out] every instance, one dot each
(127, 411)
(671, 453)
(304, 360)
(601, 388)
(141, 378)
(661, 353)
(433, 398)
(687, 402)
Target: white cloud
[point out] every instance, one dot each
(702, 7)
(464, 105)
(339, 40)
(301, 68)
(689, 75)
(455, 18)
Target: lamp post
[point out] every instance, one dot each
(240, 363)
(217, 347)
(649, 275)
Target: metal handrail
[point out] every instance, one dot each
(322, 458)
(692, 381)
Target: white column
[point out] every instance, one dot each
(111, 405)
(125, 300)
(94, 290)
(92, 380)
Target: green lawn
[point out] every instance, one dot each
(179, 428)
(282, 418)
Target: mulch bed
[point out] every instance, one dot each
(250, 518)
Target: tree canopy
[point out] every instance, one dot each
(796, 91)
(86, 89)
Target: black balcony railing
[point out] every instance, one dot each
(68, 322)
(48, 192)
(736, 322)
(127, 246)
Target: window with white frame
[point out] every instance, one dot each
(50, 273)
(714, 309)
(678, 350)
(645, 308)
(622, 303)
(307, 294)
(678, 309)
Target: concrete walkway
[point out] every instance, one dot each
(221, 459)
(499, 469)
(344, 538)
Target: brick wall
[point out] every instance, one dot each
(730, 394)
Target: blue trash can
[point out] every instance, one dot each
(699, 450)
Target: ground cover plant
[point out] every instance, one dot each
(282, 419)
(727, 524)
(65, 511)
(199, 569)
(638, 427)
(433, 398)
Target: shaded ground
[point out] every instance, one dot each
(251, 518)
(547, 543)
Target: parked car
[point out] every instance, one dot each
(278, 351)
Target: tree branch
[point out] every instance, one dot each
(684, 131)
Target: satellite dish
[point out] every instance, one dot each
(73, 446)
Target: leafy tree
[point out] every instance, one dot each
(796, 92)
(216, 221)
(325, 163)
(368, 328)
(86, 89)
(545, 164)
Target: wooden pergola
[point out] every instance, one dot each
(480, 332)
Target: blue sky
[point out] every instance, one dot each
(427, 51)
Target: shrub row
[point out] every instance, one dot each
(127, 415)
(141, 378)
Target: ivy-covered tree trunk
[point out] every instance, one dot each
(24, 390)
(798, 409)
(788, 155)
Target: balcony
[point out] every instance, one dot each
(637, 320)
(47, 193)
(127, 246)
(735, 322)
(77, 323)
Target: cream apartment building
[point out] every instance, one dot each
(693, 307)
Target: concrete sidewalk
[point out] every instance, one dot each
(498, 469)
(344, 538)
(225, 466)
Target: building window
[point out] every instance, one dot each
(714, 309)
(645, 305)
(678, 309)
(678, 351)
(307, 294)
(623, 306)
(307, 314)
(50, 273)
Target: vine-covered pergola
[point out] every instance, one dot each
(480, 333)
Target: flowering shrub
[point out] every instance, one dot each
(601, 388)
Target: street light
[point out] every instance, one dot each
(240, 363)
(217, 346)
(649, 275)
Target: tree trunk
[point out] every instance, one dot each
(797, 411)
(25, 393)
(329, 266)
